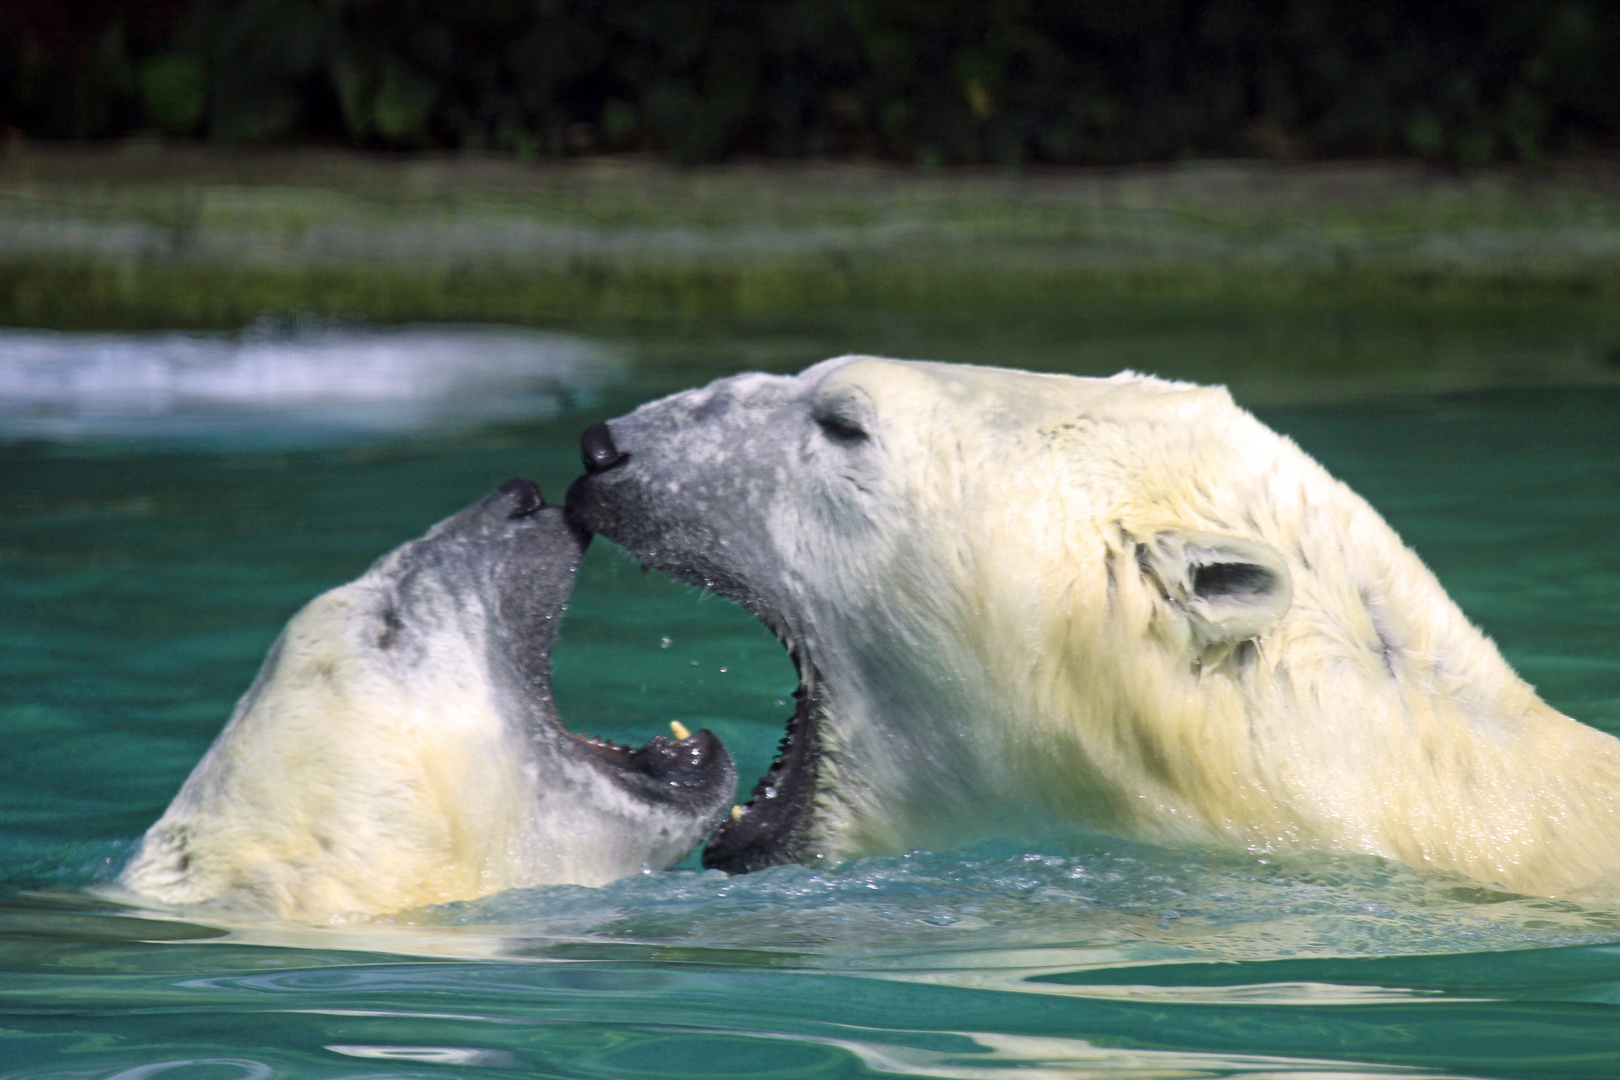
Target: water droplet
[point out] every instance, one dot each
(663, 643)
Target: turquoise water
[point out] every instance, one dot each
(144, 570)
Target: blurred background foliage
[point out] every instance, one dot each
(923, 81)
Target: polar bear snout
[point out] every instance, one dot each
(597, 450)
(522, 496)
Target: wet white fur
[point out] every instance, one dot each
(980, 593)
(349, 781)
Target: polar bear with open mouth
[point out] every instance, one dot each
(400, 746)
(1018, 600)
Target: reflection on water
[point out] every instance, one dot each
(289, 381)
(140, 587)
(974, 916)
(631, 1011)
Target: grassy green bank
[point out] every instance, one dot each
(1339, 274)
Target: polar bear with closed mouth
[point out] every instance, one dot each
(400, 746)
(1016, 600)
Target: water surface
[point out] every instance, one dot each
(144, 570)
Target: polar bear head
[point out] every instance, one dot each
(1020, 600)
(400, 745)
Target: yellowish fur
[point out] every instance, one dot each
(349, 792)
(399, 747)
(1371, 717)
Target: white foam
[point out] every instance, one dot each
(290, 381)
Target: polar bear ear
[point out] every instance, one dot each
(1230, 589)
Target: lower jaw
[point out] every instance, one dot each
(774, 827)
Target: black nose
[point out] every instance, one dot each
(522, 497)
(596, 449)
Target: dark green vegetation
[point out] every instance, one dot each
(955, 81)
(1222, 272)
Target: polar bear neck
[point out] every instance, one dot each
(1398, 728)
(1373, 718)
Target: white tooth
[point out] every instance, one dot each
(736, 813)
(679, 730)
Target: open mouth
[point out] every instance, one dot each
(692, 769)
(769, 829)
(772, 827)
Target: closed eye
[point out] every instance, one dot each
(841, 430)
(392, 624)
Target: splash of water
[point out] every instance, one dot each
(300, 381)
